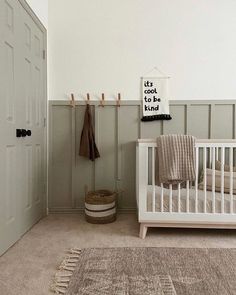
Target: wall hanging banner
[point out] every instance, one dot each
(155, 95)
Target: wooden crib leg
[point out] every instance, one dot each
(143, 230)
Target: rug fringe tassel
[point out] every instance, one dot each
(65, 271)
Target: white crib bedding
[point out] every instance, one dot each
(183, 201)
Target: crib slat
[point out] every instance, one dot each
(217, 154)
(179, 196)
(187, 201)
(213, 182)
(196, 180)
(222, 179)
(205, 178)
(153, 181)
(210, 158)
(170, 198)
(231, 180)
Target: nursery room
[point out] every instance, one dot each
(118, 147)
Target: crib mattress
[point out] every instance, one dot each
(183, 201)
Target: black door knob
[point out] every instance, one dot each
(18, 133)
(28, 132)
(23, 132)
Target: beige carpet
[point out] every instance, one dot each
(149, 271)
(28, 267)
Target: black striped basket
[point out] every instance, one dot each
(100, 206)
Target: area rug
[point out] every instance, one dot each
(147, 271)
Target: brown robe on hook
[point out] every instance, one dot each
(88, 146)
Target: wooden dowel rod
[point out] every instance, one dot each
(88, 98)
(118, 100)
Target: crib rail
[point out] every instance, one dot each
(209, 198)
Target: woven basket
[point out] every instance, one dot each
(100, 206)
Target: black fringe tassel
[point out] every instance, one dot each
(156, 117)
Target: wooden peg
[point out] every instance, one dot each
(118, 100)
(72, 102)
(88, 98)
(102, 100)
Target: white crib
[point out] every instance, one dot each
(189, 206)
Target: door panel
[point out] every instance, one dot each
(10, 188)
(38, 174)
(9, 16)
(22, 96)
(28, 91)
(37, 96)
(9, 90)
(10, 193)
(28, 178)
(32, 117)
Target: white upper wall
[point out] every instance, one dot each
(40, 8)
(107, 45)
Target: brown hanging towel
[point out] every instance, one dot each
(88, 146)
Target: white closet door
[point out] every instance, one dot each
(23, 106)
(32, 114)
(10, 154)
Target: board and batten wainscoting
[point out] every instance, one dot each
(116, 130)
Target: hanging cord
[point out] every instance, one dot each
(163, 75)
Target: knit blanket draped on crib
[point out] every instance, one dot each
(175, 159)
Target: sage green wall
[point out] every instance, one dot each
(116, 132)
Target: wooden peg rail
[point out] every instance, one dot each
(100, 103)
